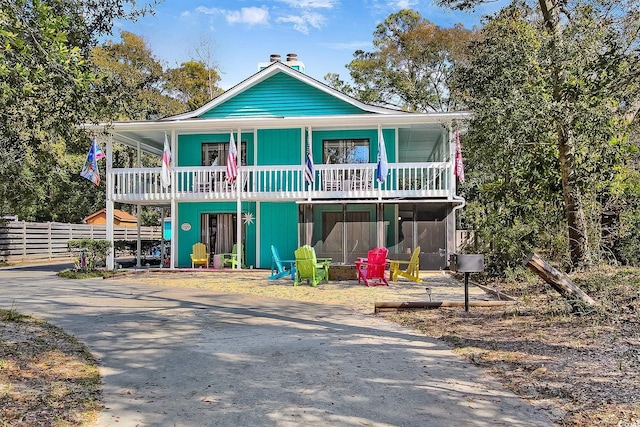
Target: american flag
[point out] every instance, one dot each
(232, 161)
(459, 166)
(309, 174)
(165, 174)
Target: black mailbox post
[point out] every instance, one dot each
(466, 263)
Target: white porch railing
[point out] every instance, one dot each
(354, 181)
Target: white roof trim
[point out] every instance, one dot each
(338, 121)
(279, 67)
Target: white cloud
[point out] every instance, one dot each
(207, 10)
(311, 4)
(246, 15)
(403, 4)
(304, 21)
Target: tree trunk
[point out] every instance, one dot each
(574, 210)
(576, 223)
(557, 280)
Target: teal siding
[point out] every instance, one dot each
(278, 227)
(282, 96)
(279, 146)
(190, 146)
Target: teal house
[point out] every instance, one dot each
(282, 159)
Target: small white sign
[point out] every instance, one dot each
(185, 226)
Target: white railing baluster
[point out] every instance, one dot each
(285, 182)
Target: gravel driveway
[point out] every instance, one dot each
(184, 356)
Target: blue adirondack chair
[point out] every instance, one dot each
(281, 267)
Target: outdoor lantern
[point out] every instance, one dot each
(466, 263)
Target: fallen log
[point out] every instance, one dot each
(413, 305)
(557, 280)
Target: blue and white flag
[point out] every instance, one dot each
(382, 167)
(90, 167)
(309, 174)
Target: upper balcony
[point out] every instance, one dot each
(269, 183)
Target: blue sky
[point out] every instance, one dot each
(323, 33)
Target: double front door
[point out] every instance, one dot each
(219, 232)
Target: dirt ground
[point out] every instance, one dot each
(47, 377)
(584, 368)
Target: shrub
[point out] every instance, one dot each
(88, 253)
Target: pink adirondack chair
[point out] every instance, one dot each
(372, 270)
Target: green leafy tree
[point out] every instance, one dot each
(512, 178)
(132, 81)
(46, 91)
(411, 65)
(193, 83)
(588, 60)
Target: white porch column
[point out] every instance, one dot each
(238, 202)
(138, 212)
(259, 255)
(109, 204)
(380, 217)
(174, 203)
(138, 240)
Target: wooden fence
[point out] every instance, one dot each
(37, 241)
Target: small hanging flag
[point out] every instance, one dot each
(459, 166)
(90, 167)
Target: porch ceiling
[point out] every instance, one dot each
(150, 135)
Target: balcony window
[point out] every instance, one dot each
(345, 151)
(215, 153)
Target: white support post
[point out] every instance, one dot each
(109, 204)
(311, 185)
(258, 253)
(379, 183)
(380, 219)
(138, 240)
(174, 204)
(238, 202)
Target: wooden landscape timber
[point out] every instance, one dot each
(557, 280)
(426, 305)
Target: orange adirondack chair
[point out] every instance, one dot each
(372, 270)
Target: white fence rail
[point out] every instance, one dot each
(35, 241)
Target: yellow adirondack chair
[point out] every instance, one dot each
(199, 255)
(231, 259)
(411, 272)
(309, 268)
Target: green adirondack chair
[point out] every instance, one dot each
(231, 259)
(309, 268)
